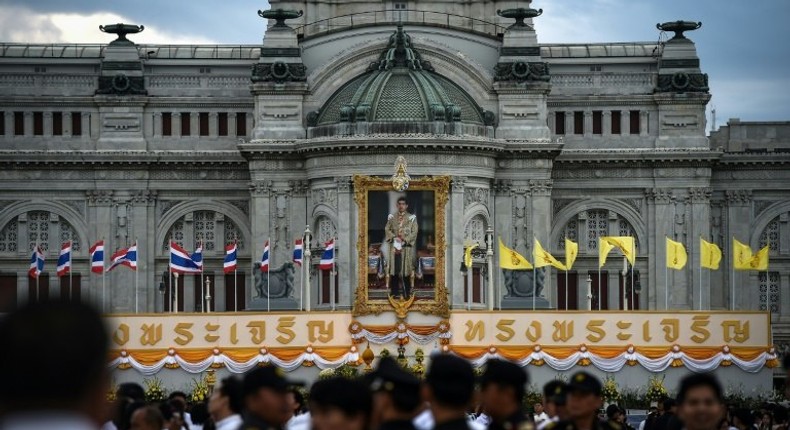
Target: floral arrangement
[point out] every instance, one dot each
(656, 390)
(610, 392)
(346, 370)
(533, 395)
(112, 393)
(154, 392)
(199, 390)
(326, 374)
(418, 368)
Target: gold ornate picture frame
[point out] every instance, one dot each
(370, 299)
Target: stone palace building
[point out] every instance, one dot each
(214, 144)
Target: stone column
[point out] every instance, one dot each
(67, 124)
(100, 228)
(8, 117)
(143, 231)
(587, 123)
(503, 211)
(157, 118)
(48, 124)
(699, 219)
(175, 120)
(784, 284)
(89, 128)
(551, 122)
(540, 192)
(28, 121)
(738, 223)
(625, 122)
(298, 220)
(570, 128)
(454, 230)
(260, 210)
(348, 243)
(213, 125)
(659, 219)
(606, 123)
(643, 122)
(232, 124)
(194, 124)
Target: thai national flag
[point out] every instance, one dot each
(230, 258)
(298, 249)
(265, 258)
(197, 256)
(64, 259)
(124, 257)
(36, 262)
(97, 257)
(328, 257)
(180, 260)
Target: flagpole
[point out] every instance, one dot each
(599, 284)
(136, 277)
(633, 269)
(70, 267)
(235, 281)
(332, 280)
(566, 287)
(622, 289)
(103, 284)
(170, 287)
(732, 279)
(268, 279)
(301, 280)
(666, 286)
(38, 276)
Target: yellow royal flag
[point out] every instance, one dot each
(676, 255)
(710, 254)
(604, 248)
(571, 251)
(510, 259)
(741, 256)
(760, 260)
(543, 258)
(625, 244)
(468, 255)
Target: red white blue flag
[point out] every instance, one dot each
(64, 259)
(181, 261)
(298, 252)
(97, 257)
(265, 258)
(36, 262)
(231, 262)
(124, 257)
(197, 256)
(328, 257)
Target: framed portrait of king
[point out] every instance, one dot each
(401, 245)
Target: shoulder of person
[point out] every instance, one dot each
(390, 216)
(412, 217)
(560, 425)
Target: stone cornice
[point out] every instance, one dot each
(121, 158)
(696, 156)
(732, 159)
(562, 100)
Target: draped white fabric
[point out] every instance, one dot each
(422, 339)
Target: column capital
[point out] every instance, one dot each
(541, 187)
(458, 184)
(261, 188)
(700, 194)
(738, 197)
(659, 195)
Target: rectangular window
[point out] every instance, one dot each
(578, 122)
(167, 124)
(38, 123)
(203, 123)
(241, 124)
(76, 123)
(597, 122)
(634, 122)
(559, 122)
(2, 123)
(185, 124)
(222, 126)
(19, 123)
(57, 123)
(616, 122)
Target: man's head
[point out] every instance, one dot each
(340, 404)
(613, 412)
(147, 418)
(265, 390)
(296, 400)
(226, 400)
(403, 205)
(130, 391)
(742, 419)
(538, 408)
(449, 383)
(502, 387)
(554, 397)
(396, 392)
(584, 396)
(700, 402)
(670, 406)
(30, 335)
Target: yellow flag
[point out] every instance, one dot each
(676, 255)
(468, 255)
(543, 258)
(510, 259)
(741, 256)
(604, 247)
(625, 244)
(710, 254)
(760, 260)
(571, 251)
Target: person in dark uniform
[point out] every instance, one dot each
(554, 394)
(340, 403)
(503, 385)
(583, 402)
(396, 396)
(265, 399)
(449, 385)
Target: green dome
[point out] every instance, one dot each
(400, 93)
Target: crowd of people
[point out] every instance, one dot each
(72, 394)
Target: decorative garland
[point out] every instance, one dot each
(402, 332)
(239, 360)
(612, 359)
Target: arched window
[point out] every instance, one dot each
(204, 226)
(37, 227)
(590, 225)
(770, 237)
(325, 229)
(475, 230)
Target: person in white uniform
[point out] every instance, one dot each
(226, 403)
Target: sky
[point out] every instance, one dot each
(744, 47)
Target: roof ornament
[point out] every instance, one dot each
(400, 53)
(679, 27)
(280, 15)
(519, 14)
(121, 30)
